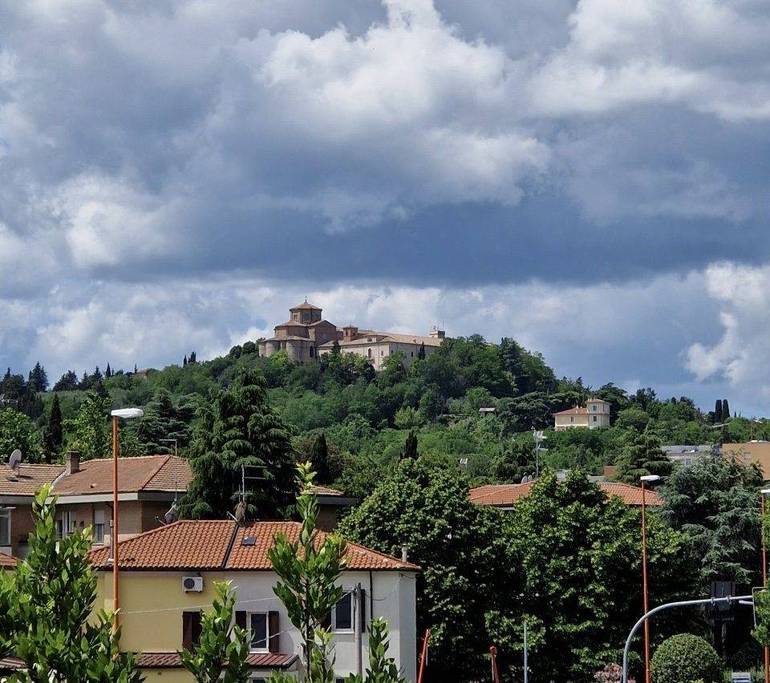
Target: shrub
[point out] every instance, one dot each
(686, 657)
(612, 673)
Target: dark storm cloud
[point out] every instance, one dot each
(454, 146)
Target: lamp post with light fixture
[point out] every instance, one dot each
(646, 479)
(765, 650)
(117, 415)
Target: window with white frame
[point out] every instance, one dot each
(259, 631)
(342, 614)
(5, 526)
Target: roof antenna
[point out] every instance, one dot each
(14, 461)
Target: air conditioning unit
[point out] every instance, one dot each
(192, 584)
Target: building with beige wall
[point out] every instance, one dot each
(159, 616)
(750, 452)
(306, 337)
(595, 414)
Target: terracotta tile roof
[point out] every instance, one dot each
(362, 337)
(170, 660)
(505, 495)
(219, 544)
(305, 306)
(7, 561)
(144, 473)
(10, 664)
(200, 544)
(326, 491)
(572, 411)
(255, 556)
(29, 480)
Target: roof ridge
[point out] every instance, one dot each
(154, 473)
(372, 551)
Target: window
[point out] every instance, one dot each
(258, 631)
(593, 407)
(98, 526)
(342, 614)
(572, 419)
(369, 351)
(311, 351)
(5, 526)
(595, 418)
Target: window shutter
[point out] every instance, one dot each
(274, 629)
(362, 608)
(240, 619)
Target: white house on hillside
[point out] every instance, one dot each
(595, 414)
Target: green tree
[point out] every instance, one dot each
(162, 420)
(410, 451)
(48, 623)
(462, 552)
(714, 502)
(240, 429)
(220, 654)
(319, 459)
(38, 379)
(725, 410)
(67, 382)
(18, 431)
(382, 669)
(54, 433)
(308, 573)
(718, 411)
(686, 658)
(89, 431)
(575, 557)
(641, 457)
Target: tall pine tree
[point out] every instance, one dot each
(38, 379)
(725, 410)
(239, 428)
(718, 411)
(54, 433)
(319, 459)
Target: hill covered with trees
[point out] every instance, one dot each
(367, 419)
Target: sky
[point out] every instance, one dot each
(590, 178)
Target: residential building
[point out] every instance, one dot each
(505, 496)
(687, 455)
(167, 578)
(595, 414)
(148, 487)
(306, 336)
(750, 452)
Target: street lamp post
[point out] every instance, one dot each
(766, 650)
(117, 415)
(649, 478)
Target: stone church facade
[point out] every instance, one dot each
(306, 336)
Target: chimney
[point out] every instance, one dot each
(404, 554)
(73, 462)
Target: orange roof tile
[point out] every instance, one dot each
(7, 561)
(218, 544)
(505, 495)
(255, 556)
(200, 544)
(143, 473)
(257, 660)
(326, 491)
(28, 480)
(572, 411)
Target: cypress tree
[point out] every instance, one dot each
(410, 447)
(718, 411)
(108, 371)
(421, 352)
(184, 362)
(319, 459)
(725, 409)
(54, 434)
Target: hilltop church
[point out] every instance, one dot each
(306, 336)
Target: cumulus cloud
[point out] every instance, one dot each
(741, 354)
(467, 159)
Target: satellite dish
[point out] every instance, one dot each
(15, 460)
(172, 514)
